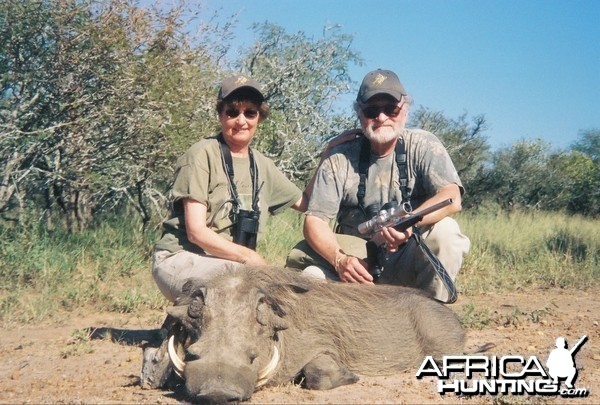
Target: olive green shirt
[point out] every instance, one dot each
(200, 176)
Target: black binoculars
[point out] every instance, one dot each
(245, 228)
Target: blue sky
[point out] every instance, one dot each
(532, 67)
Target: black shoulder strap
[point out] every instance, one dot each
(363, 170)
(402, 170)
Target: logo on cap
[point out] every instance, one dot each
(379, 79)
(241, 80)
(380, 82)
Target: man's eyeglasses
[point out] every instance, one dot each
(373, 111)
(234, 113)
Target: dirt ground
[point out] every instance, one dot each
(58, 362)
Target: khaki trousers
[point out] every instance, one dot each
(404, 267)
(172, 270)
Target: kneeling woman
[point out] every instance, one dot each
(222, 192)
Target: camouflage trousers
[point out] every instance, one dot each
(404, 267)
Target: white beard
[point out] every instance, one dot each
(382, 135)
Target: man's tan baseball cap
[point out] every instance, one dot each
(380, 82)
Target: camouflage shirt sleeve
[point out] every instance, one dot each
(331, 182)
(429, 165)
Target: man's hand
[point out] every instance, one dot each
(351, 269)
(392, 238)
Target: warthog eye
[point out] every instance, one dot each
(190, 357)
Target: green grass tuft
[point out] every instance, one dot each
(519, 251)
(44, 273)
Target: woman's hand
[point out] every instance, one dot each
(254, 259)
(211, 242)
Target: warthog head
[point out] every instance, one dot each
(226, 344)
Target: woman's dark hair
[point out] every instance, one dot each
(239, 97)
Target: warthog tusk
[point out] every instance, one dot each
(178, 364)
(265, 373)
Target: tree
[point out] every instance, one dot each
(575, 185)
(303, 78)
(517, 177)
(98, 98)
(577, 174)
(465, 142)
(95, 99)
(589, 144)
(529, 175)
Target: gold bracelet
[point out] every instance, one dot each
(339, 256)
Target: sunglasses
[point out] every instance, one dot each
(234, 113)
(373, 111)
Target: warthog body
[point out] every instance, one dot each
(254, 327)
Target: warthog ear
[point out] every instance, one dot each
(270, 314)
(191, 286)
(178, 312)
(195, 308)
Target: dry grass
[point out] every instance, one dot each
(43, 273)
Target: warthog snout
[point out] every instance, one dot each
(223, 379)
(216, 382)
(222, 351)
